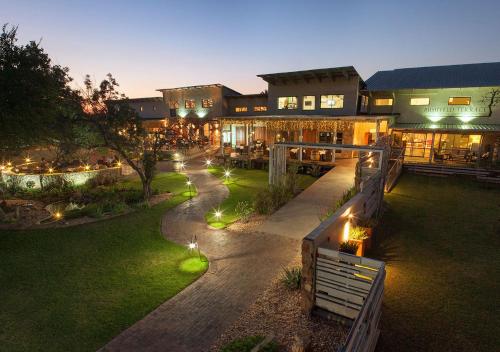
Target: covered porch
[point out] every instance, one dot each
(247, 140)
(449, 145)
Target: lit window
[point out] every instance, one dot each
(154, 107)
(260, 108)
(383, 102)
(207, 103)
(142, 108)
(309, 102)
(241, 109)
(332, 101)
(287, 103)
(189, 104)
(419, 101)
(174, 104)
(459, 101)
(364, 103)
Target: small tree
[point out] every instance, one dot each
(120, 128)
(492, 98)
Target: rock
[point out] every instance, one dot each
(301, 343)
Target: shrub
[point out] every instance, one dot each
(94, 210)
(292, 277)
(348, 247)
(30, 184)
(102, 179)
(244, 210)
(358, 233)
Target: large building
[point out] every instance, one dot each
(441, 114)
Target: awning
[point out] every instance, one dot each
(447, 127)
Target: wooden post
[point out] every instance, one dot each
(334, 141)
(377, 130)
(431, 154)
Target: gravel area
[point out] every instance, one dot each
(278, 312)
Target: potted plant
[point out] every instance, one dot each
(350, 247)
(358, 235)
(369, 226)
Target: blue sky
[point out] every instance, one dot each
(148, 45)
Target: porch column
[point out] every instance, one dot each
(221, 138)
(431, 155)
(300, 140)
(246, 134)
(377, 130)
(334, 141)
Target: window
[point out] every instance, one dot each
(260, 108)
(241, 109)
(419, 101)
(154, 107)
(459, 101)
(142, 108)
(308, 102)
(383, 102)
(189, 104)
(325, 137)
(332, 101)
(364, 103)
(207, 103)
(287, 103)
(173, 104)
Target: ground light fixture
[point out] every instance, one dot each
(58, 215)
(182, 166)
(87, 167)
(51, 170)
(218, 214)
(208, 162)
(227, 174)
(193, 245)
(189, 183)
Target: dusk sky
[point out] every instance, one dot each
(148, 45)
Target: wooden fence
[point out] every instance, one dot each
(351, 287)
(342, 285)
(395, 170)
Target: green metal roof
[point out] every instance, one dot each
(448, 127)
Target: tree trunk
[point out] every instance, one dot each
(146, 189)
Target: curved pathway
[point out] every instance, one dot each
(241, 267)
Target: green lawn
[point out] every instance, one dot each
(243, 185)
(440, 239)
(73, 289)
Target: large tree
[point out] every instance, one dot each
(120, 128)
(36, 100)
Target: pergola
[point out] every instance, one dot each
(371, 157)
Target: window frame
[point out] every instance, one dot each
(450, 99)
(313, 107)
(420, 98)
(332, 95)
(187, 103)
(388, 99)
(259, 108)
(285, 107)
(207, 103)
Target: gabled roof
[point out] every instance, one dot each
(306, 75)
(217, 85)
(451, 76)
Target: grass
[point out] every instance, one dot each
(243, 185)
(73, 289)
(440, 240)
(162, 183)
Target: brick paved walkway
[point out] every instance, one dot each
(241, 266)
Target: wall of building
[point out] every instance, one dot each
(248, 101)
(214, 92)
(438, 111)
(149, 108)
(349, 87)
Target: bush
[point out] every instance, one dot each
(270, 199)
(246, 344)
(93, 210)
(102, 178)
(244, 210)
(358, 233)
(348, 247)
(292, 277)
